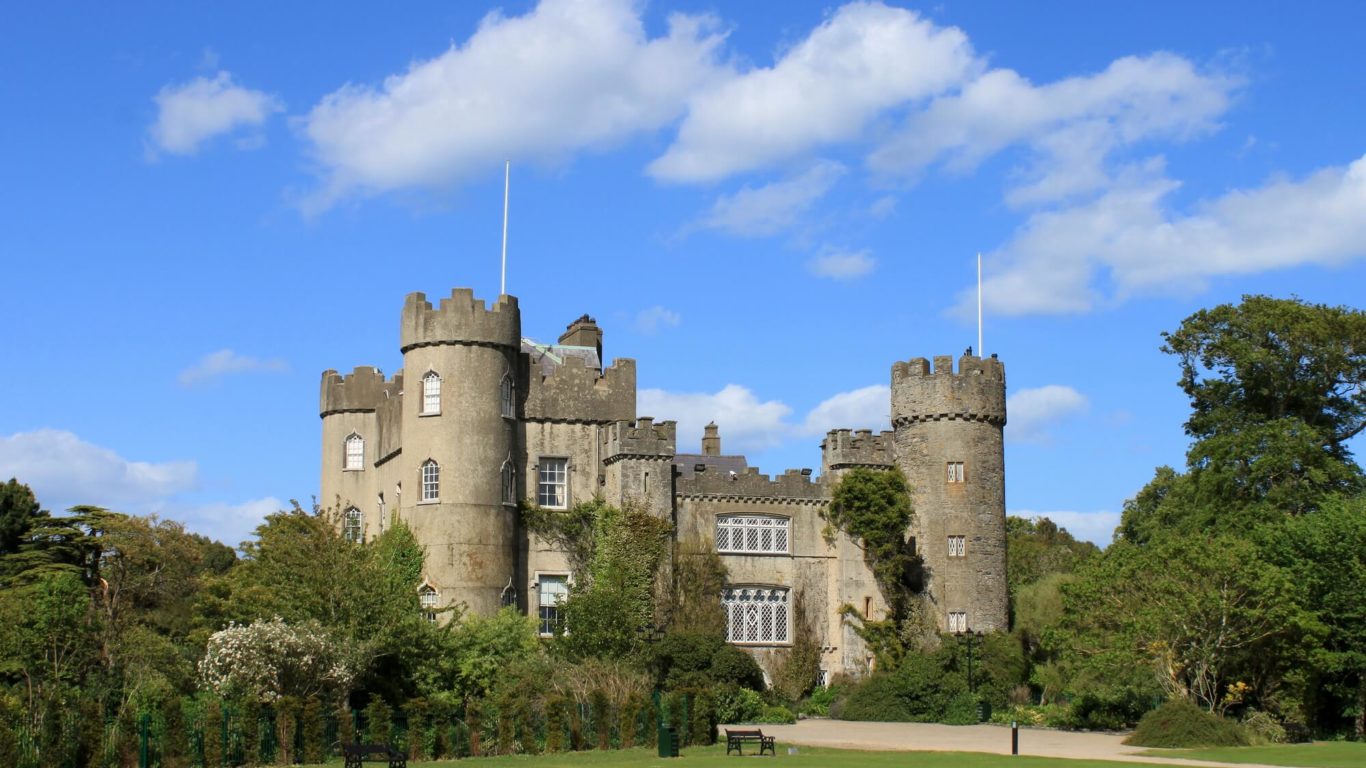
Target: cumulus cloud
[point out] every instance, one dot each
(231, 524)
(747, 423)
(842, 265)
(864, 59)
(1033, 411)
(189, 114)
(1096, 527)
(649, 321)
(750, 424)
(569, 75)
(225, 362)
(65, 470)
(772, 208)
(865, 408)
(1129, 238)
(1069, 126)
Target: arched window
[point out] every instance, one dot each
(351, 525)
(431, 392)
(761, 534)
(509, 597)
(431, 480)
(507, 397)
(509, 481)
(355, 452)
(757, 615)
(428, 599)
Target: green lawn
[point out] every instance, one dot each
(1320, 754)
(807, 757)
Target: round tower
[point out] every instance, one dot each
(948, 442)
(459, 442)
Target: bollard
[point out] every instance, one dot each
(1014, 737)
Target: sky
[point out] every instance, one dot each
(765, 205)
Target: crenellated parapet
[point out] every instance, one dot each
(364, 389)
(794, 485)
(639, 439)
(460, 319)
(847, 449)
(577, 392)
(975, 392)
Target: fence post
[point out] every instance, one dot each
(144, 725)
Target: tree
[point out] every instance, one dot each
(1204, 617)
(19, 511)
(1325, 553)
(1040, 547)
(1276, 391)
(268, 660)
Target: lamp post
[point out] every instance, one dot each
(969, 638)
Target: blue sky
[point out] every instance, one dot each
(764, 204)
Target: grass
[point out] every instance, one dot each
(1320, 754)
(807, 757)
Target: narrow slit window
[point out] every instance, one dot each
(508, 397)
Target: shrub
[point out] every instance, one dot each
(923, 689)
(379, 724)
(1179, 723)
(818, 704)
(554, 724)
(776, 714)
(1263, 728)
(314, 747)
(1107, 710)
(737, 705)
(963, 709)
(732, 665)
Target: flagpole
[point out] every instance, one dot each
(507, 176)
(980, 351)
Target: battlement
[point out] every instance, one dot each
(792, 485)
(976, 392)
(575, 391)
(639, 438)
(460, 319)
(364, 389)
(844, 449)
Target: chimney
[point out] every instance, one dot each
(711, 441)
(583, 332)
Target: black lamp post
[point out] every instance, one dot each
(969, 638)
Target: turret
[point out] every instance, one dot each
(947, 429)
(460, 450)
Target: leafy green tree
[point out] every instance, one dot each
(1325, 554)
(1203, 618)
(19, 511)
(1037, 548)
(484, 647)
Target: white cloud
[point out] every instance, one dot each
(866, 408)
(1130, 239)
(568, 75)
(64, 471)
(1069, 126)
(1096, 527)
(649, 321)
(746, 422)
(191, 113)
(842, 265)
(770, 209)
(1032, 411)
(229, 523)
(883, 207)
(864, 59)
(225, 362)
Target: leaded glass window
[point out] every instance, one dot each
(757, 615)
(351, 525)
(753, 533)
(355, 452)
(428, 598)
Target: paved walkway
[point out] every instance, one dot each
(928, 737)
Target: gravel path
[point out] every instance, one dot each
(928, 737)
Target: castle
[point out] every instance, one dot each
(481, 418)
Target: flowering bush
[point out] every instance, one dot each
(266, 660)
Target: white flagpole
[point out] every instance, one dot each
(980, 351)
(507, 176)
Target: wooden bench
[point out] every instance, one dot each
(358, 753)
(735, 740)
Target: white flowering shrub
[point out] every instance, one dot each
(265, 660)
